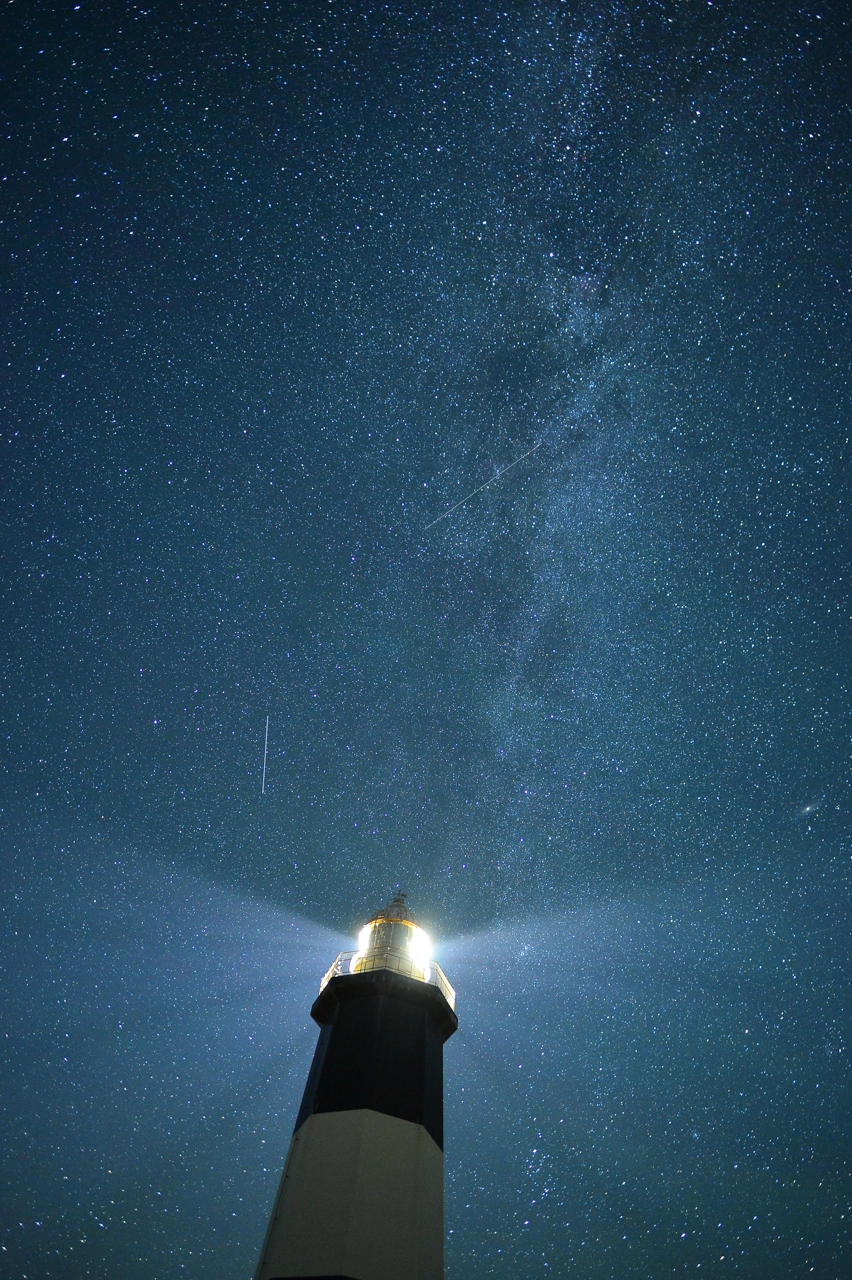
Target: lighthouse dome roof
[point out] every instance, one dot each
(396, 912)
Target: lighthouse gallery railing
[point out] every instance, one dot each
(434, 974)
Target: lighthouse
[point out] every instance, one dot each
(362, 1192)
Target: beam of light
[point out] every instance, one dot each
(493, 480)
(158, 1042)
(628, 1053)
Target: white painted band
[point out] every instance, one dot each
(362, 1195)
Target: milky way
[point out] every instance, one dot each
(288, 290)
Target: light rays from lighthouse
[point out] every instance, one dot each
(615, 1060)
(156, 1058)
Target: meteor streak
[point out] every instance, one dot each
(484, 486)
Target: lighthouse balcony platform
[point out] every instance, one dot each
(349, 962)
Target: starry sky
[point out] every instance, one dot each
(282, 285)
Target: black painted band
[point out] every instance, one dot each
(381, 1049)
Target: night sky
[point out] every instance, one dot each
(281, 285)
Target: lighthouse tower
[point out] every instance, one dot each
(362, 1193)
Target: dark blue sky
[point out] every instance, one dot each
(282, 285)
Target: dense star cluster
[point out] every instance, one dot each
(283, 285)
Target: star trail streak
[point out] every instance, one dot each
(493, 480)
